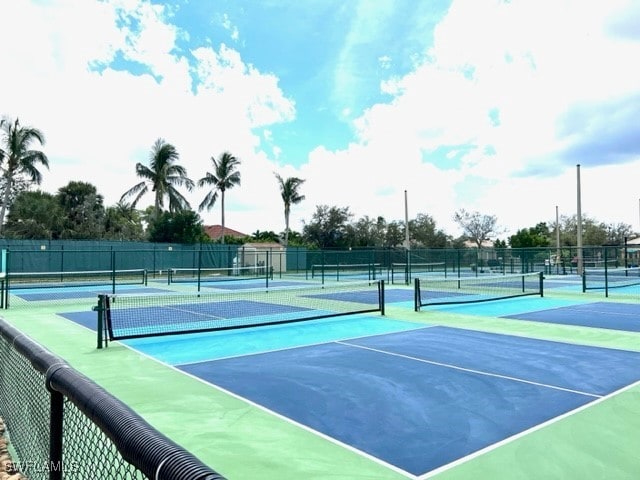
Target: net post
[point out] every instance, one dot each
(100, 323)
(381, 296)
(5, 277)
(416, 295)
(56, 414)
(200, 266)
(113, 271)
(266, 271)
(584, 281)
(606, 273)
(407, 275)
(541, 284)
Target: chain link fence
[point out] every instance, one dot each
(62, 425)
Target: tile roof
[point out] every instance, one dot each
(215, 232)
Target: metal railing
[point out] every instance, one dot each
(62, 425)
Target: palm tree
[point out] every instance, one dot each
(290, 196)
(225, 176)
(163, 175)
(16, 157)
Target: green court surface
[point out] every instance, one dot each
(242, 440)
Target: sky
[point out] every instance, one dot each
(482, 105)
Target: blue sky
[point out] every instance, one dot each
(486, 105)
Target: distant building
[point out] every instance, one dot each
(215, 232)
(260, 255)
(472, 244)
(633, 252)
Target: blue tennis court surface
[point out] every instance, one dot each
(501, 308)
(610, 315)
(199, 347)
(422, 398)
(585, 313)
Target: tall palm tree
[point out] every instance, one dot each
(289, 190)
(16, 157)
(163, 176)
(224, 177)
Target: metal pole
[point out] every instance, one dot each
(558, 253)
(406, 222)
(579, 221)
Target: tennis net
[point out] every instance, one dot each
(445, 291)
(404, 272)
(218, 274)
(606, 278)
(134, 316)
(87, 278)
(359, 271)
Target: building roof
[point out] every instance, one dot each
(215, 232)
(472, 244)
(263, 245)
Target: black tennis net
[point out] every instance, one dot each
(606, 278)
(218, 274)
(134, 316)
(82, 278)
(444, 291)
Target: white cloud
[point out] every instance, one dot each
(527, 61)
(499, 74)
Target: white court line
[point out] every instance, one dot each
(298, 424)
(614, 314)
(512, 438)
(305, 345)
(470, 370)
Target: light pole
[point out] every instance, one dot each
(407, 243)
(557, 237)
(579, 220)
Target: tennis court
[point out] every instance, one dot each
(334, 389)
(421, 399)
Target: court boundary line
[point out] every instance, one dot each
(526, 432)
(316, 344)
(470, 370)
(283, 418)
(304, 427)
(376, 460)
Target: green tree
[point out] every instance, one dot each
(163, 176)
(290, 193)
(35, 215)
(83, 209)
(476, 226)
(264, 237)
(123, 222)
(328, 227)
(362, 233)
(616, 233)
(395, 234)
(19, 184)
(225, 176)
(184, 226)
(538, 236)
(594, 232)
(424, 232)
(296, 239)
(18, 158)
(502, 244)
